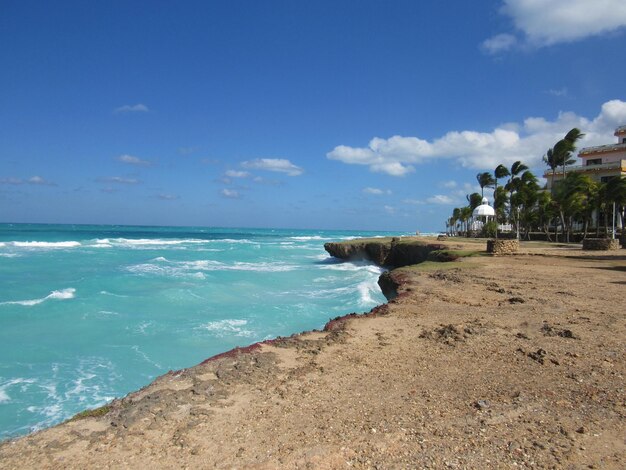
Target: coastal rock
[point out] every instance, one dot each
(390, 252)
(388, 285)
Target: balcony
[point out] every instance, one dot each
(621, 164)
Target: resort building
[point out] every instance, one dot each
(601, 163)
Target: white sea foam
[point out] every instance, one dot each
(62, 294)
(35, 244)
(9, 255)
(194, 268)
(2, 244)
(352, 267)
(18, 383)
(228, 327)
(104, 292)
(366, 289)
(313, 237)
(261, 267)
(143, 242)
(146, 357)
(107, 312)
(244, 241)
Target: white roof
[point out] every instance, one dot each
(484, 210)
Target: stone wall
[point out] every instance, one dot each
(600, 244)
(502, 247)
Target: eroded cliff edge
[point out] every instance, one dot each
(393, 253)
(481, 361)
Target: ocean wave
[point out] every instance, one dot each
(228, 327)
(194, 268)
(244, 241)
(343, 266)
(18, 383)
(62, 294)
(104, 292)
(145, 357)
(68, 390)
(36, 244)
(366, 289)
(142, 242)
(307, 238)
(157, 270)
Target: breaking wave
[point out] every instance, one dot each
(63, 294)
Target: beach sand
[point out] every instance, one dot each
(486, 362)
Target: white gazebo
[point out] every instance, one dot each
(484, 211)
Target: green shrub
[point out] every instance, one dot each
(489, 229)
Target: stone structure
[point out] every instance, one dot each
(502, 247)
(600, 244)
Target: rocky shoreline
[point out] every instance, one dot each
(486, 362)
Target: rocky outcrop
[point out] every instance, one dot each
(389, 252)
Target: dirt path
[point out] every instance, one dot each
(505, 362)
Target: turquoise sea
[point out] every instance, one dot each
(89, 313)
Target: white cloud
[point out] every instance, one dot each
(230, 193)
(440, 199)
(390, 210)
(119, 180)
(280, 165)
(527, 141)
(237, 174)
(559, 92)
(449, 184)
(35, 180)
(499, 43)
(14, 181)
(548, 22)
(135, 108)
(131, 160)
(38, 180)
(167, 197)
(376, 191)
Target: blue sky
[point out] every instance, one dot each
(326, 114)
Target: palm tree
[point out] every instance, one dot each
(474, 200)
(574, 197)
(549, 159)
(498, 200)
(500, 172)
(466, 215)
(517, 168)
(563, 149)
(485, 180)
(616, 194)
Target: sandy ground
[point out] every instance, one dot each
(489, 362)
